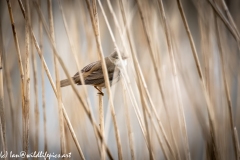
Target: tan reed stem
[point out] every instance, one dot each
(2, 113)
(20, 66)
(226, 88)
(9, 91)
(59, 99)
(89, 114)
(101, 122)
(206, 49)
(140, 75)
(232, 23)
(230, 17)
(73, 51)
(2, 139)
(27, 77)
(144, 108)
(224, 20)
(203, 84)
(205, 43)
(158, 76)
(126, 76)
(36, 110)
(129, 128)
(176, 82)
(237, 139)
(49, 76)
(130, 92)
(43, 90)
(160, 141)
(94, 19)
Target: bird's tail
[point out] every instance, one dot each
(64, 83)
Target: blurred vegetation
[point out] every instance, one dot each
(178, 97)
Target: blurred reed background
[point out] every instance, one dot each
(178, 98)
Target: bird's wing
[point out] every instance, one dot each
(98, 74)
(90, 66)
(97, 77)
(94, 81)
(85, 69)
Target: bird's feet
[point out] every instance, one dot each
(99, 91)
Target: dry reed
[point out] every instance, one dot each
(178, 96)
(2, 113)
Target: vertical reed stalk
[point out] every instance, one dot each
(129, 128)
(61, 123)
(126, 79)
(27, 77)
(9, 91)
(20, 67)
(237, 139)
(101, 122)
(232, 23)
(203, 84)
(176, 81)
(35, 82)
(146, 123)
(206, 49)
(73, 51)
(229, 16)
(40, 31)
(226, 88)
(2, 113)
(150, 47)
(95, 25)
(224, 20)
(89, 114)
(125, 75)
(140, 75)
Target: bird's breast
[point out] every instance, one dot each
(118, 63)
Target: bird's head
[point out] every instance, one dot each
(115, 58)
(114, 55)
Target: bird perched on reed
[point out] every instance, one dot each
(93, 74)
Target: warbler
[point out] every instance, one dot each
(93, 74)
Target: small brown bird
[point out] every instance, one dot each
(93, 73)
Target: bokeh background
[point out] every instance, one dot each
(194, 128)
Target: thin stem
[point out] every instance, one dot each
(126, 78)
(101, 122)
(224, 20)
(226, 88)
(27, 77)
(35, 82)
(174, 72)
(2, 114)
(144, 108)
(61, 122)
(237, 139)
(140, 75)
(74, 53)
(89, 114)
(43, 90)
(49, 76)
(230, 17)
(203, 84)
(94, 19)
(130, 133)
(20, 66)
